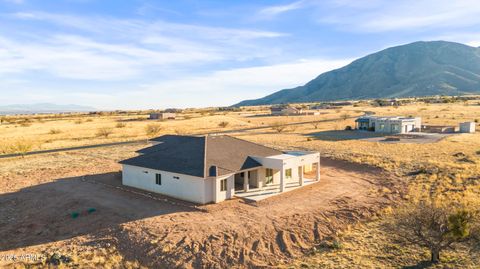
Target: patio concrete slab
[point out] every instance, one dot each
(258, 194)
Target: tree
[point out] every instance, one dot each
(436, 227)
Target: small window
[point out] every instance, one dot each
(175, 177)
(223, 185)
(288, 173)
(158, 179)
(268, 176)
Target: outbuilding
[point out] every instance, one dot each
(467, 127)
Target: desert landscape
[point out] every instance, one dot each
(70, 208)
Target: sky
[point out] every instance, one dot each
(143, 54)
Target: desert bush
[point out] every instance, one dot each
(20, 146)
(315, 124)
(436, 226)
(348, 128)
(345, 116)
(120, 125)
(79, 121)
(153, 129)
(278, 127)
(88, 120)
(55, 131)
(104, 132)
(223, 124)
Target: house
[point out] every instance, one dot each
(285, 110)
(467, 127)
(391, 125)
(206, 169)
(162, 116)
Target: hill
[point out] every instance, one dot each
(42, 108)
(415, 69)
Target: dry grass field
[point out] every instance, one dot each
(448, 169)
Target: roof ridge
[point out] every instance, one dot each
(258, 144)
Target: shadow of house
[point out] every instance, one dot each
(46, 213)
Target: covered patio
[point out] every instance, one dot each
(278, 174)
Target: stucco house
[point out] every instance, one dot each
(390, 125)
(162, 116)
(285, 110)
(211, 169)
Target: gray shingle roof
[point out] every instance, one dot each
(195, 155)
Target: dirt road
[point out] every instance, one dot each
(165, 232)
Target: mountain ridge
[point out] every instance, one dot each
(420, 68)
(42, 108)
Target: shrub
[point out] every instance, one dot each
(78, 121)
(345, 116)
(55, 131)
(348, 128)
(21, 147)
(153, 129)
(104, 132)
(223, 124)
(278, 126)
(120, 125)
(315, 124)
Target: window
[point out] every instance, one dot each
(381, 127)
(158, 179)
(395, 128)
(223, 185)
(288, 173)
(268, 176)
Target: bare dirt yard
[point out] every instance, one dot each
(131, 228)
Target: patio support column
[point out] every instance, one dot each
(300, 176)
(282, 180)
(246, 181)
(318, 169)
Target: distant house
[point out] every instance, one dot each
(467, 127)
(285, 110)
(392, 125)
(206, 169)
(162, 116)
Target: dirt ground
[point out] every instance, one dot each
(36, 206)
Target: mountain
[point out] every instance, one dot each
(416, 69)
(42, 108)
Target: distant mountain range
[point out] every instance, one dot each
(416, 69)
(42, 108)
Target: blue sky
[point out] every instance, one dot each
(114, 54)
